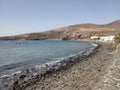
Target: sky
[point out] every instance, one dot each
(25, 16)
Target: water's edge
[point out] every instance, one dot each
(19, 79)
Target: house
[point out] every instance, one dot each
(95, 38)
(107, 38)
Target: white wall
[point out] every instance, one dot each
(94, 37)
(107, 38)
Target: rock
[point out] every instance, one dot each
(22, 76)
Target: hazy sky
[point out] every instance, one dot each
(22, 16)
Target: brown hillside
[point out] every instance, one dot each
(79, 31)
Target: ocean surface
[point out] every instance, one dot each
(19, 54)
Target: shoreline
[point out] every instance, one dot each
(19, 78)
(83, 75)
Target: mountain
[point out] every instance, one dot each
(74, 32)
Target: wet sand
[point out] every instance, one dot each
(83, 75)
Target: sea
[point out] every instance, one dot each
(20, 54)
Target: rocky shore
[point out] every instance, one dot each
(21, 79)
(111, 80)
(98, 71)
(88, 74)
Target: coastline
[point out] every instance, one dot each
(83, 75)
(20, 79)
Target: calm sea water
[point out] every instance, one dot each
(24, 53)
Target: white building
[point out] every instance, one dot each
(95, 38)
(107, 38)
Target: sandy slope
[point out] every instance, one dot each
(84, 75)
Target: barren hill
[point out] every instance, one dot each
(79, 31)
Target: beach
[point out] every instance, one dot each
(21, 78)
(98, 69)
(60, 45)
(85, 75)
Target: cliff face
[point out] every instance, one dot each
(79, 31)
